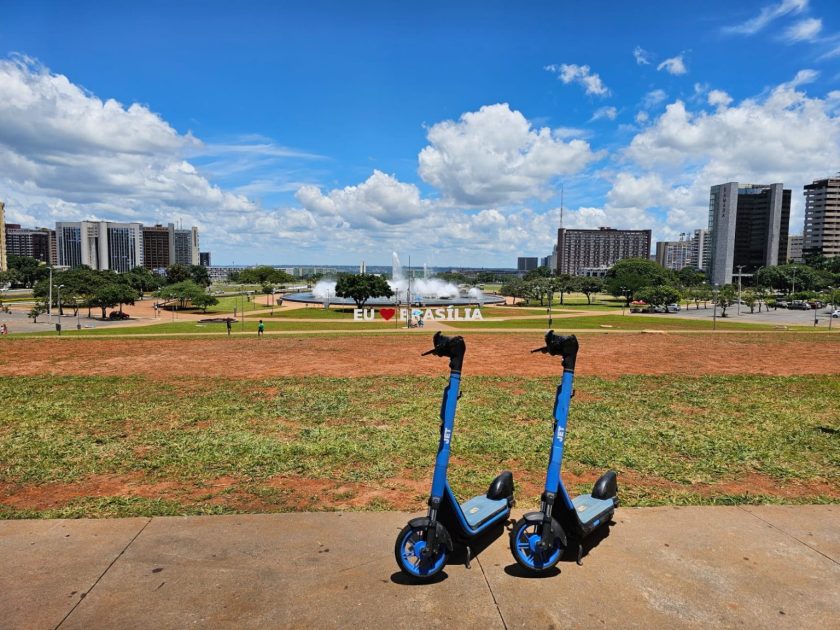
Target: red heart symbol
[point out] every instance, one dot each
(387, 313)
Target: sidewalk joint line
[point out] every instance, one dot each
(108, 568)
(801, 542)
(492, 594)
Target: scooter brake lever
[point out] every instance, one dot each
(544, 349)
(429, 352)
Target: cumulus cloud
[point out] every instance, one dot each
(803, 31)
(673, 65)
(653, 98)
(642, 56)
(583, 75)
(719, 98)
(767, 15)
(495, 156)
(608, 112)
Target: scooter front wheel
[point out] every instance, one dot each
(409, 551)
(524, 545)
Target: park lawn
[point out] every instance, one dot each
(618, 322)
(194, 327)
(125, 446)
(315, 311)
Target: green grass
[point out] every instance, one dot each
(313, 312)
(674, 440)
(194, 327)
(619, 322)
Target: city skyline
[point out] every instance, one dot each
(336, 133)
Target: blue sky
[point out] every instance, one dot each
(328, 132)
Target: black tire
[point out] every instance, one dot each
(422, 571)
(532, 562)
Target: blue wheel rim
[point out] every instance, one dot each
(526, 538)
(410, 547)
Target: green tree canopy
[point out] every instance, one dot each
(177, 273)
(589, 286)
(660, 295)
(361, 287)
(183, 292)
(627, 276)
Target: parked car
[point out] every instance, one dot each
(673, 308)
(798, 305)
(781, 304)
(836, 313)
(118, 315)
(815, 304)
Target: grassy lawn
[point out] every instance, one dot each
(118, 446)
(176, 328)
(313, 312)
(627, 322)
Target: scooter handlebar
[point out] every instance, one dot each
(565, 346)
(452, 347)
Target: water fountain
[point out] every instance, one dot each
(425, 291)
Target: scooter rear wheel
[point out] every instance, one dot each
(523, 546)
(408, 551)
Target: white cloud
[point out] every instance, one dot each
(653, 98)
(608, 112)
(719, 98)
(767, 15)
(642, 56)
(642, 117)
(495, 156)
(802, 77)
(803, 31)
(673, 65)
(569, 73)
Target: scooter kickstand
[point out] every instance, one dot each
(468, 557)
(580, 555)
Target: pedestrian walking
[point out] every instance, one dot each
(227, 323)
(260, 329)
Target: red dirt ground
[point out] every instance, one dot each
(601, 354)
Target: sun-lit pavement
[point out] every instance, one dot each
(767, 566)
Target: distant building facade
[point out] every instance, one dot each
(795, 248)
(4, 263)
(186, 247)
(822, 218)
(526, 263)
(591, 252)
(37, 243)
(100, 245)
(158, 246)
(748, 226)
(689, 251)
(204, 259)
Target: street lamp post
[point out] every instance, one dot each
(740, 267)
(833, 306)
(49, 303)
(623, 300)
(60, 287)
(714, 307)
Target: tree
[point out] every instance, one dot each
(539, 272)
(36, 311)
(203, 300)
(564, 283)
(114, 293)
(28, 270)
(514, 288)
(589, 286)
(361, 287)
(200, 275)
(177, 273)
(264, 274)
(183, 292)
(627, 276)
(658, 295)
(142, 280)
(750, 298)
(689, 277)
(452, 276)
(725, 298)
(537, 289)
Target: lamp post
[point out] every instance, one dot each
(623, 300)
(740, 267)
(793, 287)
(60, 287)
(833, 306)
(49, 303)
(714, 307)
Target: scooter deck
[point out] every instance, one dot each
(591, 511)
(480, 509)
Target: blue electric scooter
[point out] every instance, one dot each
(538, 540)
(424, 545)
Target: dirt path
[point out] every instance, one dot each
(601, 354)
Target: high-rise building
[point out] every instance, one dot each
(700, 249)
(4, 265)
(526, 263)
(592, 252)
(689, 251)
(748, 226)
(186, 247)
(100, 244)
(794, 249)
(26, 242)
(822, 218)
(204, 260)
(159, 246)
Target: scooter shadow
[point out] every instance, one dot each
(459, 556)
(569, 555)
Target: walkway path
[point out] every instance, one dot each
(768, 566)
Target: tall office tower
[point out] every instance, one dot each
(204, 260)
(822, 218)
(186, 247)
(676, 255)
(593, 252)
(100, 244)
(748, 226)
(25, 242)
(794, 249)
(526, 263)
(158, 246)
(700, 249)
(4, 265)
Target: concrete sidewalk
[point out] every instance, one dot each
(769, 566)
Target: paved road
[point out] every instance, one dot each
(768, 566)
